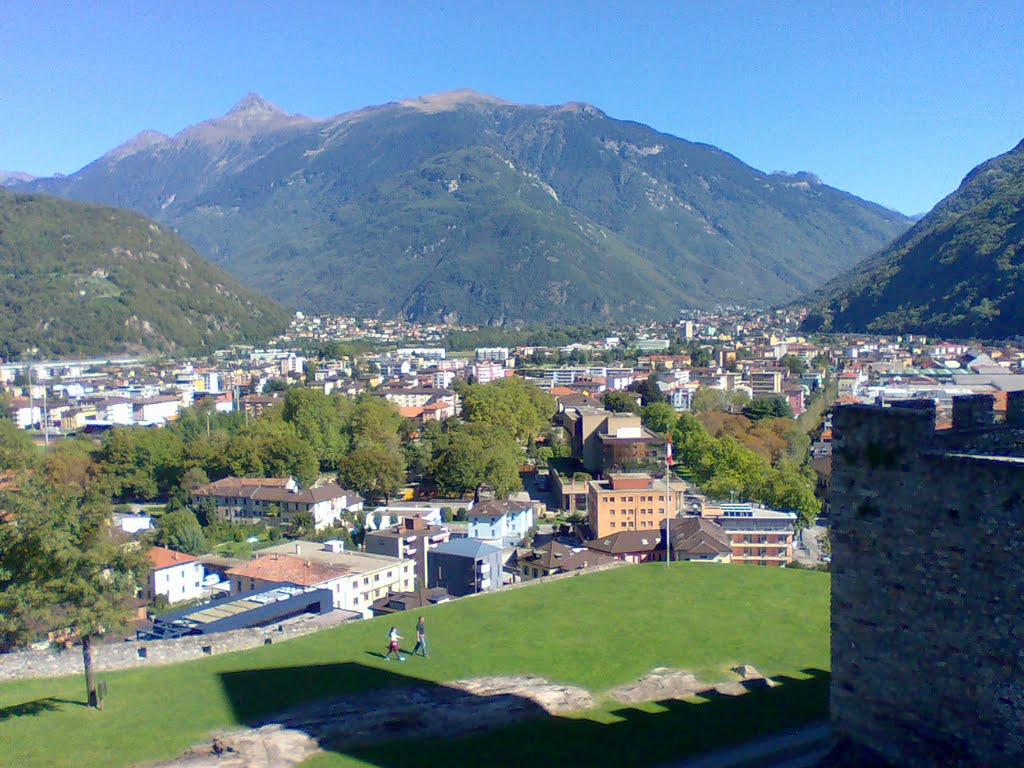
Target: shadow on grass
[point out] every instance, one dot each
(385, 718)
(36, 707)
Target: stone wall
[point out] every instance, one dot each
(927, 586)
(110, 656)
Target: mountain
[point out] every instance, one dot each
(464, 206)
(958, 273)
(80, 279)
(14, 177)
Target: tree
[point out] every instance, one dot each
(140, 463)
(795, 365)
(373, 470)
(768, 407)
(707, 399)
(511, 403)
(648, 390)
(659, 417)
(473, 456)
(180, 530)
(374, 421)
(302, 524)
(620, 402)
(272, 448)
(16, 449)
(62, 567)
(700, 357)
(320, 420)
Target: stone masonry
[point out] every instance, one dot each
(928, 583)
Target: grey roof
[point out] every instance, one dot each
(499, 507)
(466, 548)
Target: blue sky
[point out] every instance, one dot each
(894, 102)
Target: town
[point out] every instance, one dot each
(358, 468)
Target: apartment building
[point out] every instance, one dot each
(631, 501)
(757, 535)
(766, 382)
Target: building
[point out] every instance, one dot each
(553, 558)
(631, 501)
(486, 372)
(269, 571)
(159, 409)
(254, 405)
(757, 535)
(174, 575)
(369, 578)
(699, 539)
(499, 354)
(276, 500)
(629, 546)
(766, 382)
(464, 567)
(502, 522)
(927, 577)
(396, 602)
(411, 539)
(284, 602)
(603, 440)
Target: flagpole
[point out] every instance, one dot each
(668, 499)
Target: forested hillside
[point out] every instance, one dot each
(87, 279)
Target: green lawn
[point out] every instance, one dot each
(598, 631)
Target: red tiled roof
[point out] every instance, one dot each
(161, 557)
(284, 568)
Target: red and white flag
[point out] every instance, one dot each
(668, 450)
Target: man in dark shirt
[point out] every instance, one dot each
(421, 638)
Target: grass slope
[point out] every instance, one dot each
(598, 631)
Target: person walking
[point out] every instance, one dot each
(393, 646)
(421, 638)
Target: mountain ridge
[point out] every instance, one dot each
(958, 272)
(80, 279)
(631, 222)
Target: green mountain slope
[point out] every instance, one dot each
(463, 206)
(86, 279)
(958, 273)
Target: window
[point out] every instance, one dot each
(661, 498)
(389, 574)
(376, 577)
(630, 498)
(612, 524)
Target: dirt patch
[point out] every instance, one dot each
(447, 711)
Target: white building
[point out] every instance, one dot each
(158, 409)
(357, 579)
(175, 575)
(499, 354)
(485, 373)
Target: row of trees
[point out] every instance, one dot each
(762, 463)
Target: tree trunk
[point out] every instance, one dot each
(90, 673)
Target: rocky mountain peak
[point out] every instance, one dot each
(137, 143)
(254, 105)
